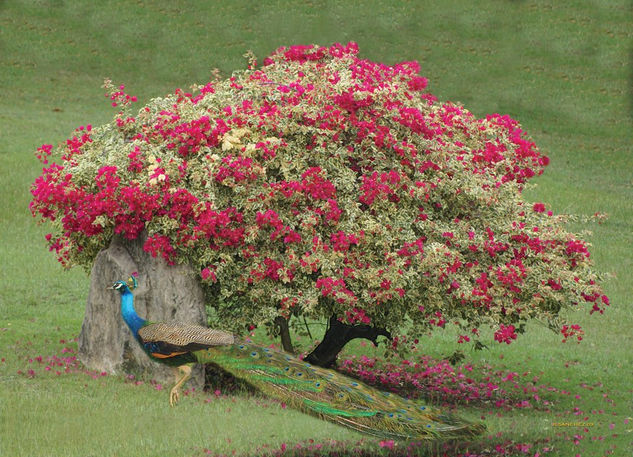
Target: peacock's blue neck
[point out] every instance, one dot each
(133, 320)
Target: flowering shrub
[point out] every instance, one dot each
(321, 183)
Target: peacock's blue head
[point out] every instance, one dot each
(125, 286)
(121, 286)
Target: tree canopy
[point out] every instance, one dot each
(321, 184)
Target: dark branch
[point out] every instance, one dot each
(337, 336)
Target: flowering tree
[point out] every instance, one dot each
(328, 186)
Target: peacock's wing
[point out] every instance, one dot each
(164, 340)
(333, 396)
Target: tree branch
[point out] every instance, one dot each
(337, 336)
(284, 332)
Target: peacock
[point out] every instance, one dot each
(317, 391)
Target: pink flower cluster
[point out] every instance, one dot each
(189, 137)
(118, 96)
(336, 288)
(573, 330)
(505, 334)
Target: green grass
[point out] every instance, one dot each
(562, 68)
(79, 416)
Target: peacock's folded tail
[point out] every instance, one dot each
(335, 397)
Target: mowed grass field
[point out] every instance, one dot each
(563, 69)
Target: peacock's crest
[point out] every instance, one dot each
(132, 282)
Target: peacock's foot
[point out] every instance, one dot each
(174, 396)
(174, 393)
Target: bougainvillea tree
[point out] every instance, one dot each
(324, 185)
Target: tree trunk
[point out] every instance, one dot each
(337, 336)
(165, 294)
(284, 333)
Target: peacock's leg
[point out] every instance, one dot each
(174, 394)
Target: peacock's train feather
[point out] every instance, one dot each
(333, 396)
(320, 392)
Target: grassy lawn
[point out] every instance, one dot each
(563, 69)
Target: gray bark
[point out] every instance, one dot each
(165, 294)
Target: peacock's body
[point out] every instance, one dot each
(317, 391)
